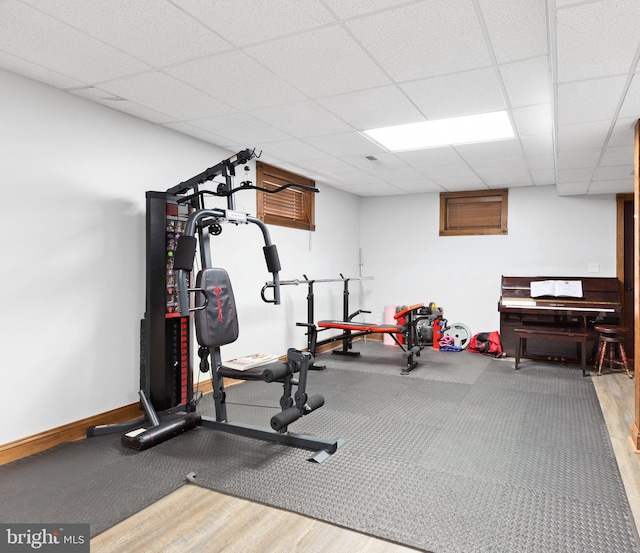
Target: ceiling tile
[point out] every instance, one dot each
(544, 177)
(452, 184)
(31, 35)
(537, 144)
(383, 160)
(377, 189)
(424, 39)
(487, 151)
(582, 136)
(302, 119)
(618, 155)
(419, 187)
(576, 159)
(267, 20)
(37, 72)
(533, 119)
(597, 39)
(592, 100)
(527, 82)
(517, 28)
(125, 106)
(354, 8)
(328, 166)
(448, 170)
(631, 105)
(167, 95)
(344, 144)
(466, 93)
(190, 130)
(499, 166)
(622, 186)
(572, 188)
(394, 176)
(623, 132)
(430, 156)
(241, 128)
(377, 107)
(613, 172)
(293, 150)
(575, 175)
(541, 163)
(237, 80)
(320, 63)
(355, 176)
(508, 180)
(126, 25)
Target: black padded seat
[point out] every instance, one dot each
(265, 373)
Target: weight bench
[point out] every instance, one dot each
(556, 335)
(353, 329)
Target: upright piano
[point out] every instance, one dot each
(599, 304)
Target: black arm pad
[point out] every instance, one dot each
(276, 371)
(272, 259)
(185, 253)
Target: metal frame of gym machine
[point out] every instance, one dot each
(165, 371)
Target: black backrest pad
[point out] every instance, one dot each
(217, 323)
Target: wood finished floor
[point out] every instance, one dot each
(193, 519)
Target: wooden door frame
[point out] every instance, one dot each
(620, 201)
(635, 427)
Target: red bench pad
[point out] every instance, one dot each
(349, 325)
(407, 309)
(388, 329)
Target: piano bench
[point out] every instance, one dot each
(555, 334)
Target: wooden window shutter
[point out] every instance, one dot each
(292, 207)
(474, 213)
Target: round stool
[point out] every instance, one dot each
(611, 349)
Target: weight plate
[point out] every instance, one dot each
(460, 333)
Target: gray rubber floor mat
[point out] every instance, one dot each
(464, 454)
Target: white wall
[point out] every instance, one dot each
(548, 236)
(73, 177)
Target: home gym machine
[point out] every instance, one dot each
(177, 224)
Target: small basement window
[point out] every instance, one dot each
(474, 213)
(292, 207)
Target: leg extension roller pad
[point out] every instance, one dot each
(286, 417)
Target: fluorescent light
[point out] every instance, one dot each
(442, 132)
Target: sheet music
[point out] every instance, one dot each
(556, 288)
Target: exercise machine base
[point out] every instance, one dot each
(323, 448)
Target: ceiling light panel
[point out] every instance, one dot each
(431, 134)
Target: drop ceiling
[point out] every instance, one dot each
(300, 79)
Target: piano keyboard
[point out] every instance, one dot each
(531, 304)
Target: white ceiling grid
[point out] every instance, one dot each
(300, 80)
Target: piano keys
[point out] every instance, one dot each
(600, 304)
